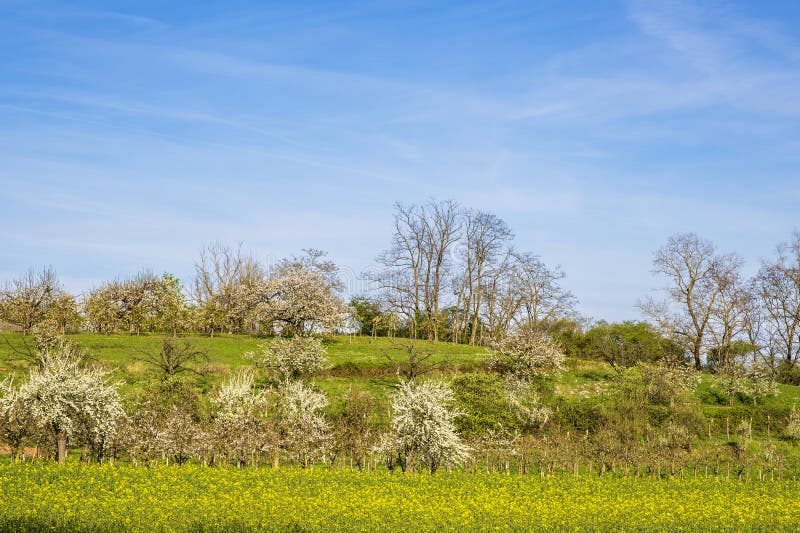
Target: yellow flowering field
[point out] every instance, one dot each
(78, 497)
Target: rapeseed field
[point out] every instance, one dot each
(80, 497)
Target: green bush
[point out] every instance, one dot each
(482, 399)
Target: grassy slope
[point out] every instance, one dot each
(355, 361)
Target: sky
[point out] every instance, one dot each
(134, 133)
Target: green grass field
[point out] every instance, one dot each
(354, 360)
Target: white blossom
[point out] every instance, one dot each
(526, 355)
(525, 402)
(291, 358)
(422, 427)
(240, 419)
(304, 429)
(70, 400)
(16, 423)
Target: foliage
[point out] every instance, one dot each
(368, 313)
(624, 344)
(355, 430)
(662, 384)
(483, 402)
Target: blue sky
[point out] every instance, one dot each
(131, 133)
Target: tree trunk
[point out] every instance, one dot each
(62, 447)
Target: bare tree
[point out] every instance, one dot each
(484, 240)
(521, 291)
(729, 319)
(410, 361)
(223, 275)
(502, 297)
(697, 276)
(176, 358)
(442, 222)
(416, 265)
(777, 288)
(542, 297)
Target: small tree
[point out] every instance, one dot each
(180, 436)
(291, 358)
(667, 384)
(47, 336)
(759, 381)
(240, 418)
(17, 425)
(355, 432)
(304, 430)
(175, 358)
(793, 427)
(410, 361)
(422, 427)
(167, 423)
(66, 399)
(526, 355)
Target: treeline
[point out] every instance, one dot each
(451, 273)
(231, 293)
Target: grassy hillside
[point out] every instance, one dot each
(354, 360)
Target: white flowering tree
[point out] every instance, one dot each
(66, 400)
(240, 422)
(303, 428)
(303, 299)
(526, 355)
(793, 426)
(754, 380)
(422, 428)
(17, 426)
(526, 403)
(291, 358)
(180, 436)
(169, 433)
